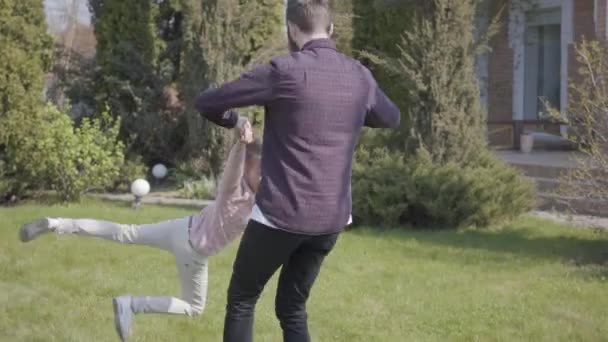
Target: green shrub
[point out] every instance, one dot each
(203, 188)
(193, 179)
(193, 168)
(57, 156)
(6, 183)
(587, 119)
(389, 191)
(379, 188)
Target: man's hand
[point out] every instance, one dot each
(245, 132)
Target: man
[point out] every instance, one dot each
(316, 100)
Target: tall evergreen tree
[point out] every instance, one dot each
(155, 56)
(220, 40)
(122, 27)
(137, 64)
(25, 57)
(342, 12)
(438, 161)
(435, 63)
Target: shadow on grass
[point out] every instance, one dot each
(52, 199)
(49, 198)
(129, 205)
(525, 240)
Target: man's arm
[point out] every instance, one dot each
(381, 111)
(253, 88)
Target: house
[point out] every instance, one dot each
(533, 58)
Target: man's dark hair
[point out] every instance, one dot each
(309, 15)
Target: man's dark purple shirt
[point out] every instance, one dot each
(316, 101)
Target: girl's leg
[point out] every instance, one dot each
(192, 269)
(192, 303)
(156, 234)
(194, 283)
(193, 298)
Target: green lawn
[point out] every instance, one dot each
(531, 281)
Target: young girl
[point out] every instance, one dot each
(190, 239)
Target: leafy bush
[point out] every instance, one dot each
(203, 188)
(379, 188)
(193, 168)
(193, 179)
(6, 183)
(389, 191)
(587, 117)
(55, 155)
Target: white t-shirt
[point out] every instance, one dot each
(258, 216)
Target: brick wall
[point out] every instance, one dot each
(584, 28)
(500, 63)
(602, 20)
(584, 21)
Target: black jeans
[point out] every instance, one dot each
(261, 252)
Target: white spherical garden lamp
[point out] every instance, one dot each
(139, 189)
(159, 171)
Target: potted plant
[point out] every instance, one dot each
(526, 142)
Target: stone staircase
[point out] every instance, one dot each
(550, 142)
(545, 168)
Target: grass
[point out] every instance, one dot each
(530, 281)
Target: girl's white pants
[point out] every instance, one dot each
(171, 236)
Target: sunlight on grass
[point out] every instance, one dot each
(530, 281)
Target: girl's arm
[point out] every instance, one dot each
(234, 168)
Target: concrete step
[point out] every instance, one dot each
(578, 205)
(549, 199)
(541, 164)
(551, 146)
(549, 185)
(551, 142)
(545, 185)
(545, 169)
